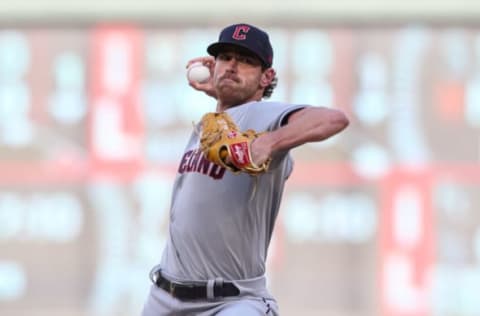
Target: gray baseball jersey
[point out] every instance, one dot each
(220, 222)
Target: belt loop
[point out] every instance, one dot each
(210, 293)
(154, 273)
(218, 287)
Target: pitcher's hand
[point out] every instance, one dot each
(261, 149)
(206, 87)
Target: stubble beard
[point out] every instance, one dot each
(233, 93)
(230, 94)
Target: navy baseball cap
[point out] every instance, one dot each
(245, 36)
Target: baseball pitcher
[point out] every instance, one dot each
(229, 184)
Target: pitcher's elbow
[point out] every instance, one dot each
(342, 121)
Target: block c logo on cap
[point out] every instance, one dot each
(240, 32)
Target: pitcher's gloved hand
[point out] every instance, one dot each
(223, 144)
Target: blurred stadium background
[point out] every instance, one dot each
(382, 220)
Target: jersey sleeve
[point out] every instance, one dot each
(282, 118)
(268, 116)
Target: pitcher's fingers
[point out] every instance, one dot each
(205, 60)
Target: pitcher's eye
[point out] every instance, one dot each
(224, 56)
(249, 60)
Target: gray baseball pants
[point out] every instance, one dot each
(253, 300)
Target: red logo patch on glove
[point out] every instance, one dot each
(240, 154)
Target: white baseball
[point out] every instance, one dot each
(198, 72)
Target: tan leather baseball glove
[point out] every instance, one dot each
(223, 144)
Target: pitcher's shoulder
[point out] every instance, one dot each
(274, 105)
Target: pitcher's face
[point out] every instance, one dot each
(238, 77)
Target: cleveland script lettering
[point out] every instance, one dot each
(194, 161)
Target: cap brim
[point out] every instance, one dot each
(215, 48)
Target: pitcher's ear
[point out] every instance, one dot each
(267, 77)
